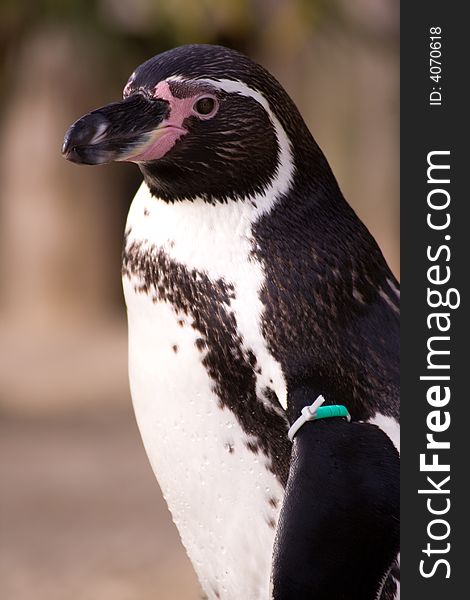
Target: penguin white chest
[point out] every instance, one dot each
(205, 388)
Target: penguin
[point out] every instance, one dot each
(252, 288)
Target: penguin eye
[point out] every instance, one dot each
(205, 107)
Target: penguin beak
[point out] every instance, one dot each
(117, 131)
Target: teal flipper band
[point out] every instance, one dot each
(316, 411)
(335, 410)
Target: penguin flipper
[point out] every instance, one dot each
(338, 531)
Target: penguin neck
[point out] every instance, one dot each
(314, 219)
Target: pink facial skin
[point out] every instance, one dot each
(166, 135)
(161, 142)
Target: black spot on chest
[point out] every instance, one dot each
(206, 304)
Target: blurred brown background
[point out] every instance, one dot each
(80, 513)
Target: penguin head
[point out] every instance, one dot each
(201, 121)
